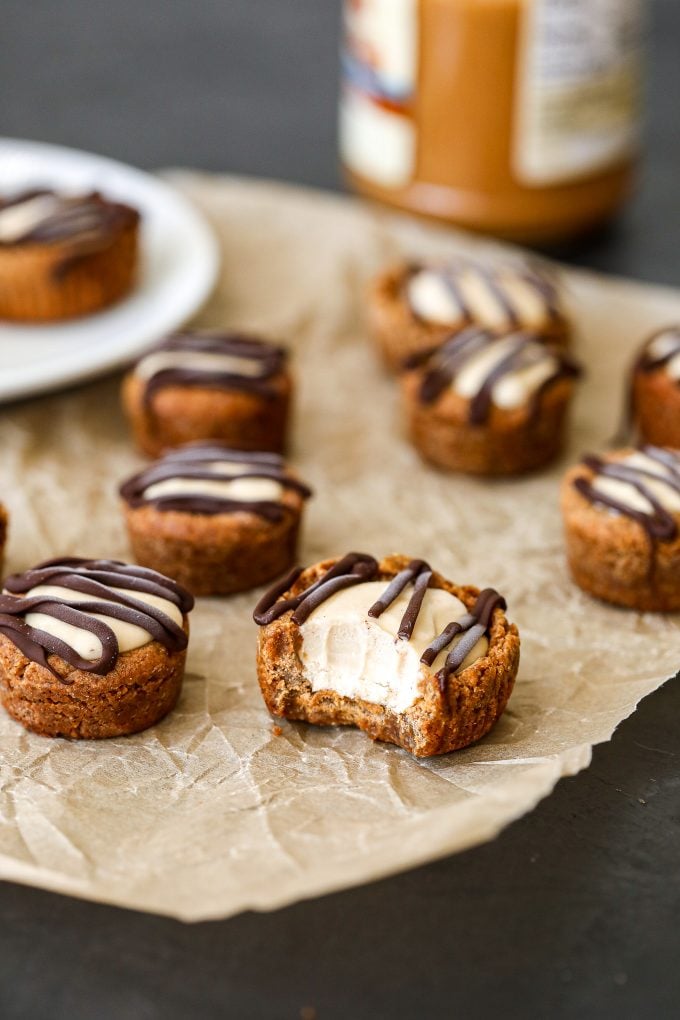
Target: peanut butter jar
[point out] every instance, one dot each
(513, 117)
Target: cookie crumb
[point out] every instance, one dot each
(277, 731)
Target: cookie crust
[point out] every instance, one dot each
(142, 688)
(435, 724)
(215, 554)
(184, 414)
(656, 407)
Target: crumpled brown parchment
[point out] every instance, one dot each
(212, 812)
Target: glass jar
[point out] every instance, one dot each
(515, 117)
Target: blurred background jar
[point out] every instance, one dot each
(518, 118)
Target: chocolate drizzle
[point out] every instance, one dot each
(82, 219)
(268, 359)
(358, 568)
(97, 578)
(660, 524)
(473, 626)
(444, 363)
(354, 568)
(417, 571)
(197, 462)
(452, 273)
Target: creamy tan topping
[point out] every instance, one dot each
(499, 299)
(85, 643)
(197, 361)
(515, 387)
(345, 650)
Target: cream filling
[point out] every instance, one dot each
(87, 645)
(485, 306)
(246, 490)
(629, 496)
(197, 361)
(346, 651)
(434, 301)
(515, 388)
(660, 346)
(529, 304)
(18, 220)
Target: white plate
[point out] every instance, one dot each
(179, 265)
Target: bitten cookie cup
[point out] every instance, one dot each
(655, 389)
(197, 386)
(217, 520)
(489, 405)
(91, 648)
(622, 527)
(414, 307)
(391, 647)
(64, 256)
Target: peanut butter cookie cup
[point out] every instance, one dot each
(489, 405)
(196, 386)
(391, 647)
(655, 389)
(215, 519)
(91, 648)
(63, 256)
(622, 526)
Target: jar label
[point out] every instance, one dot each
(578, 92)
(377, 135)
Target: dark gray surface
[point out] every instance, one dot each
(573, 911)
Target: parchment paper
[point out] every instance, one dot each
(212, 812)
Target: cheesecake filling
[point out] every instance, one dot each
(21, 218)
(664, 350)
(663, 485)
(242, 490)
(198, 361)
(515, 387)
(346, 651)
(498, 300)
(128, 635)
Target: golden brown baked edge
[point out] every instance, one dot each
(142, 688)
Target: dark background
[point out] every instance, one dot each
(574, 910)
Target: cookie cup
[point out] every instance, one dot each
(438, 722)
(176, 415)
(215, 554)
(509, 442)
(142, 688)
(611, 556)
(47, 282)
